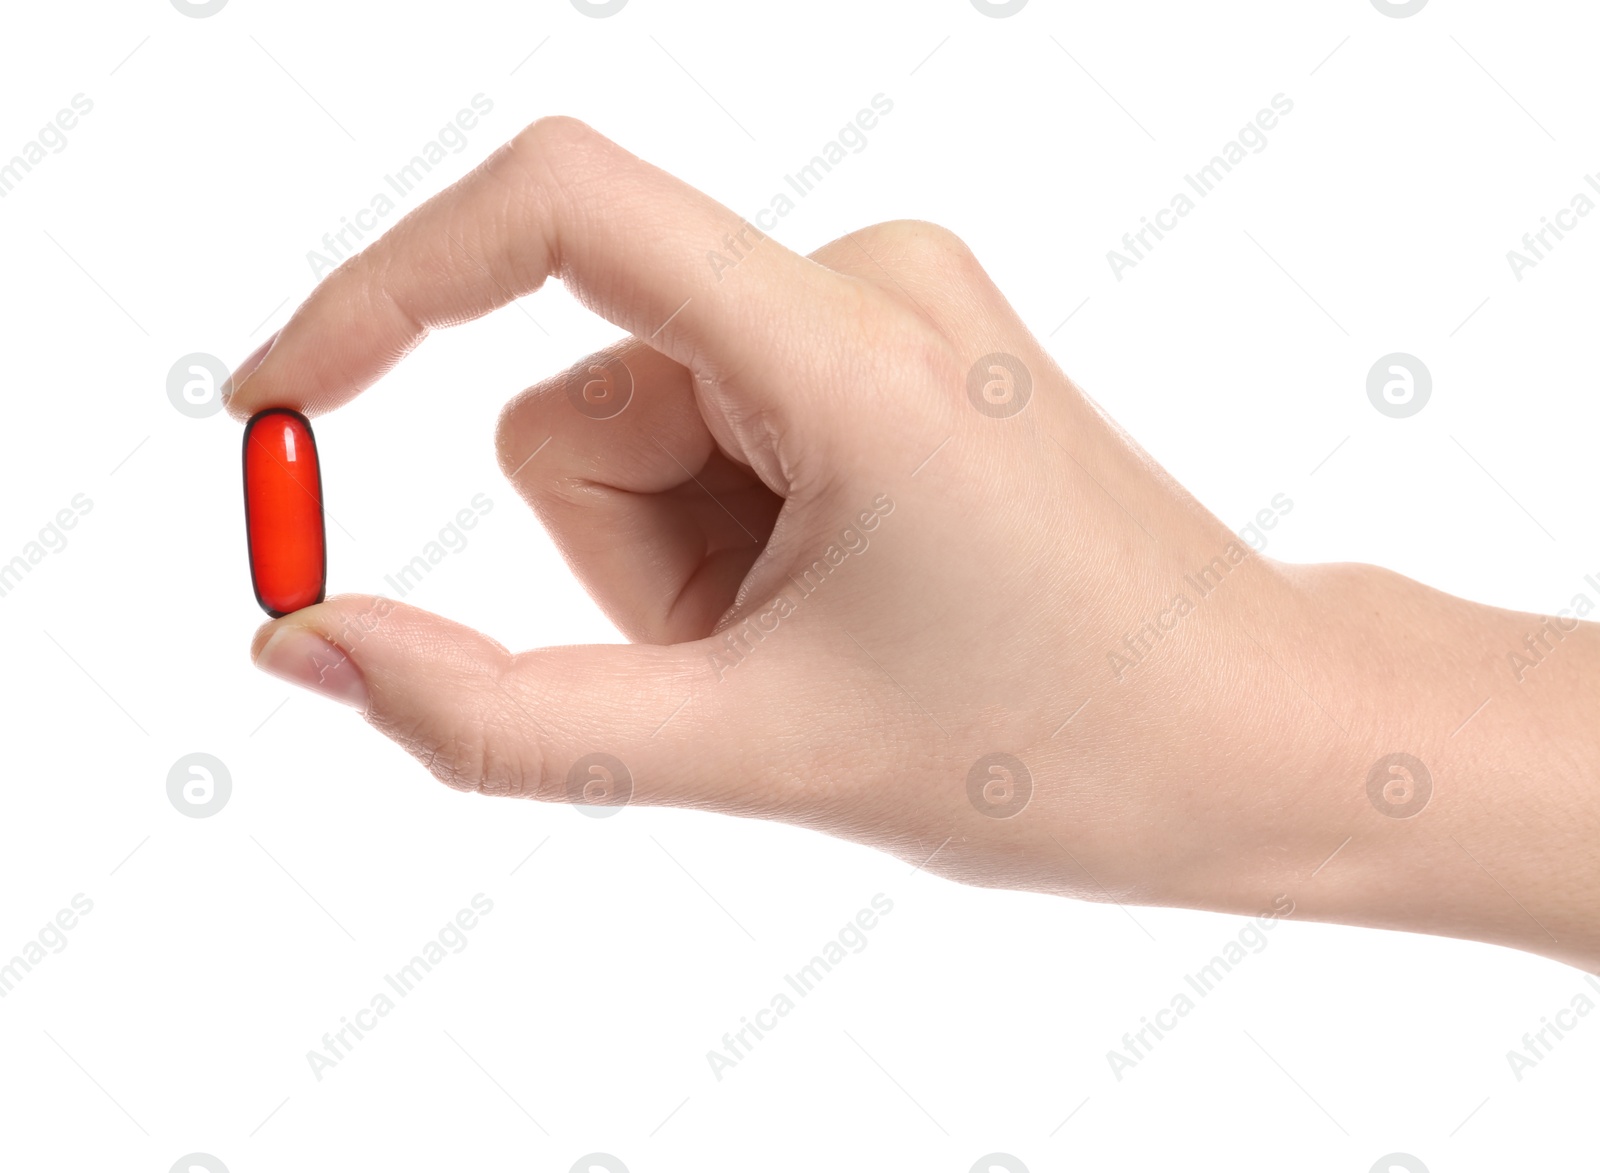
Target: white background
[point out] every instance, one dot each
(178, 218)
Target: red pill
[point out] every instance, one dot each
(283, 511)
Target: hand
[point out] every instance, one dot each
(891, 575)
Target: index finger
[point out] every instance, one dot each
(560, 199)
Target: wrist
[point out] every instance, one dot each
(1454, 797)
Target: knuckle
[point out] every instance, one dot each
(545, 169)
(918, 300)
(905, 347)
(919, 244)
(550, 144)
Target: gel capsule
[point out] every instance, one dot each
(283, 511)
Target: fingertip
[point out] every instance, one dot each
(262, 635)
(309, 648)
(301, 656)
(324, 618)
(234, 397)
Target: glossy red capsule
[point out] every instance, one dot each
(283, 511)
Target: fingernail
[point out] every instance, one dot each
(303, 657)
(244, 369)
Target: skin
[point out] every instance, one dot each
(1224, 767)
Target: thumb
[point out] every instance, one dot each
(601, 725)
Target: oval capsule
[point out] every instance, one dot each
(283, 511)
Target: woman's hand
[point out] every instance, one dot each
(891, 575)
